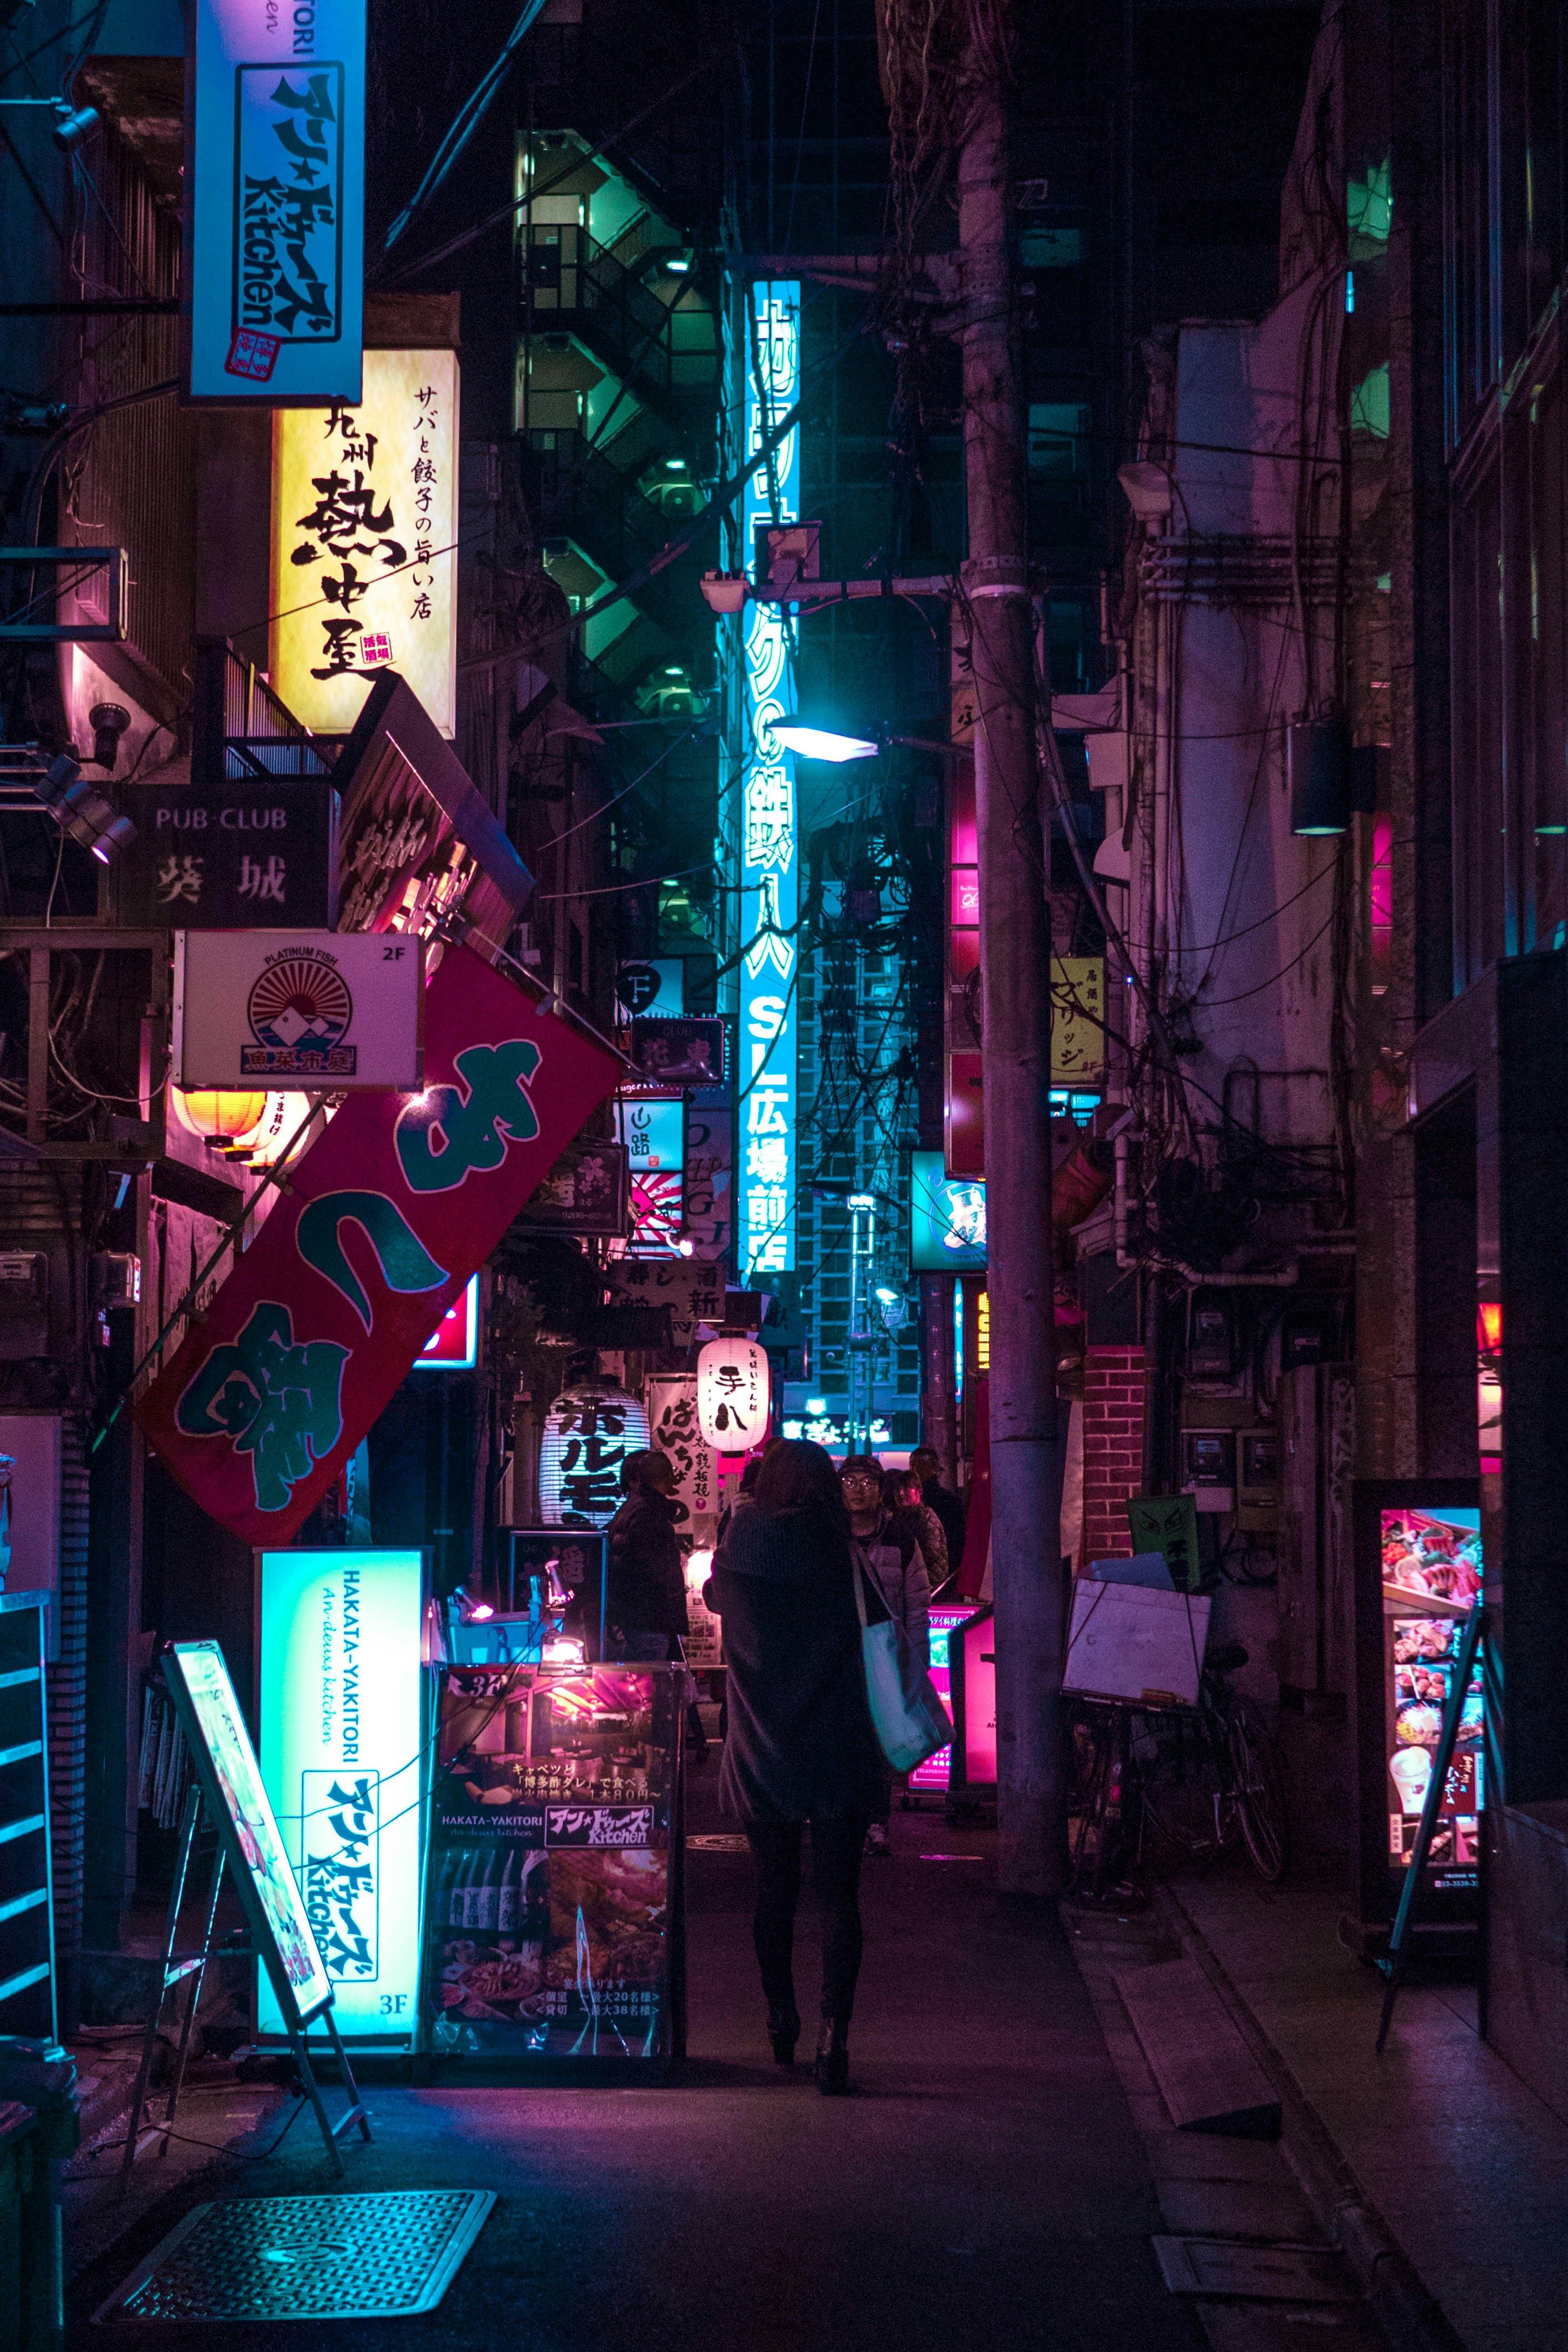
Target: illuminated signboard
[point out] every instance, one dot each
(588, 1433)
(364, 528)
(454, 1344)
(295, 1971)
(947, 1219)
(770, 867)
(341, 1746)
(654, 1132)
(275, 201)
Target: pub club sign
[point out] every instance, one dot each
(322, 1010)
(221, 857)
(275, 199)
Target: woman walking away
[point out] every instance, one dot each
(801, 1744)
(889, 1546)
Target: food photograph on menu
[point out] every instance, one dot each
(1431, 1560)
(548, 1903)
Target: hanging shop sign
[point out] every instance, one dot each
(710, 1157)
(226, 857)
(388, 1214)
(653, 1130)
(768, 828)
(685, 1053)
(320, 1011)
(692, 1289)
(417, 842)
(588, 1433)
(675, 1431)
(733, 1394)
(654, 985)
(231, 1779)
(947, 1219)
(1077, 1020)
(586, 1193)
(454, 1344)
(364, 528)
(340, 1741)
(274, 188)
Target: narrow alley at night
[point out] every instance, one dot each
(784, 1081)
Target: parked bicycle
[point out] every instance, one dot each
(1203, 1778)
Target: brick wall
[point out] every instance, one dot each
(1113, 1447)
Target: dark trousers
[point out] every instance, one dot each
(836, 1851)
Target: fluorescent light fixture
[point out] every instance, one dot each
(885, 1296)
(678, 262)
(823, 742)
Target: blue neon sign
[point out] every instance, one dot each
(766, 1161)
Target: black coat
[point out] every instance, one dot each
(646, 1587)
(950, 1509)
(800, 1743)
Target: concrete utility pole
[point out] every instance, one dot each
(1014, 956)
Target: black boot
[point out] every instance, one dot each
(783, 2032)
(832, 2058)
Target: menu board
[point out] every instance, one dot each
(937, 1771)
(1431, 1570)
(552, 1903)
(230, 1778)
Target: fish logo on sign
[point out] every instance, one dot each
(299, 1011)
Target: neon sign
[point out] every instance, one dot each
(770, 864)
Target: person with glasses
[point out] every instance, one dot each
(891, 1555)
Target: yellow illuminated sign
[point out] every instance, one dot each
(983, 1334)
(364, 528)
(1077, 1020)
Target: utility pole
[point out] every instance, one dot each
(1015, 959)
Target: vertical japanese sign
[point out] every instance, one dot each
(340, 1762)
(770, 861)
(673, 1428)
(364, 528)
(387, 1215)
(275, 199)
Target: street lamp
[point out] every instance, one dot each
(823, 742)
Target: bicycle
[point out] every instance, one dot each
(1202, 1778)
(1217, 1777)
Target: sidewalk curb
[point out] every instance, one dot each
(1407, 2311)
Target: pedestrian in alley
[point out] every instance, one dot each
(947, 1507)
(902, 1493)
(646, 1606)
(801, 1744)
(890, 1551)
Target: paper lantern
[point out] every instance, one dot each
(217, 1117)
(733, 1394)
(588, 1433)
(279, 1123)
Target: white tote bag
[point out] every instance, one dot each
(910, 1718)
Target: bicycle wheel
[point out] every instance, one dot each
(1257, 1785)
(1185, 1797)
(1102, 1845)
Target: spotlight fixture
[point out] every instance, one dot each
(83, 812)
(72, 125)
(108, 721)
(474, 1613)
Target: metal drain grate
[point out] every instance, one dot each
(375, 2257)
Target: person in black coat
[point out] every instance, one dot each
(949, 1508)
(645, 1605)
(801, 1746)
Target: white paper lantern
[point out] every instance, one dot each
(588, 1433)
(733, 1394)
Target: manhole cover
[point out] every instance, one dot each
(377, 2257)
(1262, 2273)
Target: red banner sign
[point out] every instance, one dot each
(386, 1217)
